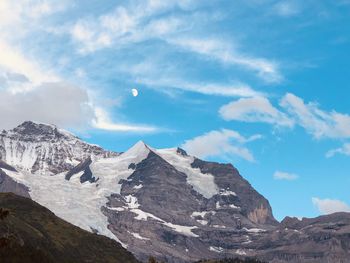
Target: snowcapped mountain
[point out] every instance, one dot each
(159, 202)
(42, 148)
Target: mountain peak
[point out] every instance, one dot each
(33, 125)
(139, 148)
(40, 131)
(181, 151)
(35, 146)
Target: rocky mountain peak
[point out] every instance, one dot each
(35, 131)
(137, 150)
(181, 151)
(37, 147)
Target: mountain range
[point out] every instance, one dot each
(160, 202)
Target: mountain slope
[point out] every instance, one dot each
(33, 233)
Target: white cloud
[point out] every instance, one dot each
(166, 78)
(140, 22)
(224, 52)
(22, 14)
(13, 60)
(329, 206)
(319, 123)
(124, 26)
(57, 103)
(220, 143)
(94, 35)
(229, 90)
(29, 92)
(278, 175)
(345, 149)
(256, 109)
(102, 121)
(61, 104)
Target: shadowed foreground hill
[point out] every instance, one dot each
(31, 233)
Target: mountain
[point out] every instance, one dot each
(36, 147)
(160, 202)
(30, 231)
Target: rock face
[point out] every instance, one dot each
(42, 148)
(164, 202)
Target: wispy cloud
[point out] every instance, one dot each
(14, 61)
(125, 25)
(167, 78)
(292, 111)
(15, 11)
(278, 175)
(103, 121)
(219, 89)
(137, 23)
(31, 90)
(256, 109)
(224, 52)
(319, 123)
(329, 206)
(345, 149)
(220, 143)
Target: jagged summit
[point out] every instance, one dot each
(137, 150)
(35, 131)
(44, 148)
(181, 151)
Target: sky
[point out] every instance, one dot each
(261, 84)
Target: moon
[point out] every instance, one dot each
(135, 92)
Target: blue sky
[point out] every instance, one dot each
(261, 84)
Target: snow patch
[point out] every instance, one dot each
(202, 215)
(254, 230)
(218, 226)
(216, 249)
(219, 206)
(241, 252)
(133, 206)
(118, 209)
(138, 236)
(202, 183)
(115, 169)
(227, 192)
